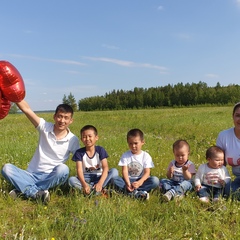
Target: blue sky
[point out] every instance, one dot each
(91, 47)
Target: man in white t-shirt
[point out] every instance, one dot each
(46, 168)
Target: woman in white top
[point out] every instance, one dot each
(229, 141)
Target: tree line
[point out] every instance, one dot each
(166, 96)
(178, 95)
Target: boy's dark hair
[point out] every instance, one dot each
(89, 127)
(237, 105)
(135, 132)
(65, 108)
(211, 151)
(180, 143)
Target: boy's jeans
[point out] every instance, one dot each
(30, 183)
(209, 191)
(151, 183)
(180, 187)
(92, 179)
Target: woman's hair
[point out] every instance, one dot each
(237, 105)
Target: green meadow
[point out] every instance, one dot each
(70, 215)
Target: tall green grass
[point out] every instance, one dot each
(69, 215)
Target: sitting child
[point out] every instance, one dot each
(179, 173)
(91, 164)
(212, 176)
(136, 164)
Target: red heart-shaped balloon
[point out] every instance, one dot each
(11, 82)
(5, 106)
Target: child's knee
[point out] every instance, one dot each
(114, 172)
(72, 181)
(155, 181)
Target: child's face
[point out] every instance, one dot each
(217, 161)
(135, 144)
(181, 154)
(89, 138)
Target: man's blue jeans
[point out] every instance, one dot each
(30, 183)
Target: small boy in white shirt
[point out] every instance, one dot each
(136, 164)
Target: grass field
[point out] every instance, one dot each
(69, 215)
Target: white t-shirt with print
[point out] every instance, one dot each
(211, 176)
(136, 163)
(178, 172)
(228, 141)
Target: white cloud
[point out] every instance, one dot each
(29, 82)
(211, 75)
(160, 8)
(67, 62)
(128, 63)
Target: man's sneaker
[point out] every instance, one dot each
(14, 194)
(43, 196)
(167, 196)
(144, 195)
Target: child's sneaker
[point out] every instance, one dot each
(204, 199)
(144, 195)
(168, 196)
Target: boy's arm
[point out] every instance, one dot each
(198, 179)
(126, 178)
(80, 175)
(186, 174)
(32, 116)
(145, 176)
(98, 186)
(170, 171)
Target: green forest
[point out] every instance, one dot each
(177, 95)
